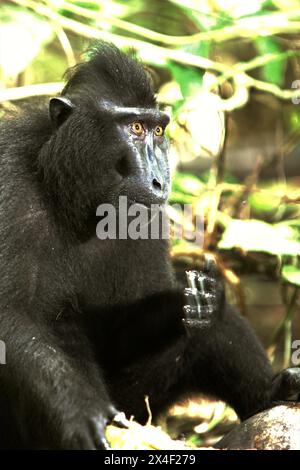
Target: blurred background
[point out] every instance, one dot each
(228, 71)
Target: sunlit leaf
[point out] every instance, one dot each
(264, 202)
(286, 4)
(238, 8)
(258, 236)
(187, 183)
(200, 129)
(291, 274)
(22, 34)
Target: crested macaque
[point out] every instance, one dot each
(92, 326)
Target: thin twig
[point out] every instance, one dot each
(179, 56)
(252, 64)
(20, 93)
(65, 44)
(244, 28)
(122, 41)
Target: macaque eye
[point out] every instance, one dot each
(159, 131)
(137, 128)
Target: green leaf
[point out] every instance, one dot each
(181, 198)
(272, 72)
(187, 184)
(188, 78)
(255, 235)
(293, 119)
(201, 49)
(22, 35)
(291, 274)
(94, 6)
(264, 203)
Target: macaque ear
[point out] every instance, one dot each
(59, 109)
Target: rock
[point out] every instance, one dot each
(275, 429)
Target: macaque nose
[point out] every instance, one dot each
(158, 184)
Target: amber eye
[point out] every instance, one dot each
(159, 131)
(137, 128)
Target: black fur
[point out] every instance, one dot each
(111, 75)
(92, 326)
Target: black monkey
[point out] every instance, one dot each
(92, 326)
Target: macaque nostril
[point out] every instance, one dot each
(157, 184)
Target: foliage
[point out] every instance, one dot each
(22, 35)
(183, 42)
(184, 32)
(196, 49)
